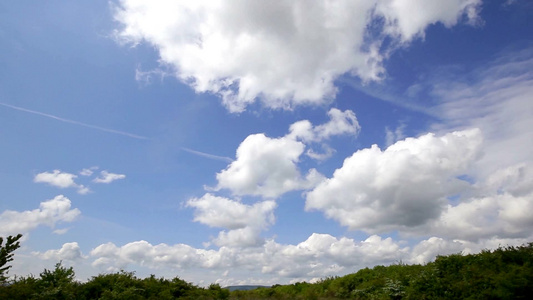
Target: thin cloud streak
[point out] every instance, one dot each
(207, 155)
(384, 96)
(135, 136)
(131, 135)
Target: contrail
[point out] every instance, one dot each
(207, 155)
(135, 136)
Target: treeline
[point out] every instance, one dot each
(60, 283)
(504, 273)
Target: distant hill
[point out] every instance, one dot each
(244, 287)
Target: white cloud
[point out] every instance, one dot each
(321, 252)
(427, 250)
(106, 177)
(392, 137)
(268, 167)
(319, 256)
(69, 252)
(264, 166)
(223, 212)
(245, 222)
(340, 123)
(88, 171)
(502, 216)
(407, 19)
(61, 231)
(49, 213)
(61, 180)
(497, 100)
(284, 53)
(326, 153)
(404, 186)
(146, 254)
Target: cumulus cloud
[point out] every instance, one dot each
(502, 216)
(68, 252)
(106, 177)
(61, 180)
(244, 222)
(285, 53)
(322, 252)
(49, 213)
(404, 186)
(268, 167)
(264, 166)
(427, 250)
(143, 253)
(498, 101)
(406, 20)
(319, 256)
(340, 123)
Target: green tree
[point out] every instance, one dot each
(57, 284)
(6, 254)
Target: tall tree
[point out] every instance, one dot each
(6, 253)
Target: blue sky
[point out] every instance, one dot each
(251, 143)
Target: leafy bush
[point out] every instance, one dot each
(504, 273)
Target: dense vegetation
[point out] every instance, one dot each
(504, 273)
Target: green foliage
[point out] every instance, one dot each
(6, 254)
(505, 273)
(57, 284)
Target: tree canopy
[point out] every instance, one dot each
(6, 254)
(504, 273)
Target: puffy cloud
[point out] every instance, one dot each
(326, 153)
(241, 237)
(244, 222)
(502, 216)
(319, 256)
(69, 251)
(407, 19)
(61, 180)
(106, 177)
(323, 252)
(340, 123)
(154, 256)
(498, 101)
(427, 250)
(222, 212)
(266, 167)
(404, 186)
(284, 53)
(49, 213)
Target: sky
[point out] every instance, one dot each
(248, 142)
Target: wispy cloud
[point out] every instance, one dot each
(135, 136)
(106, 177)
(207, 155)
(131, 135)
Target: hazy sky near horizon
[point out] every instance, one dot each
(248, 142)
